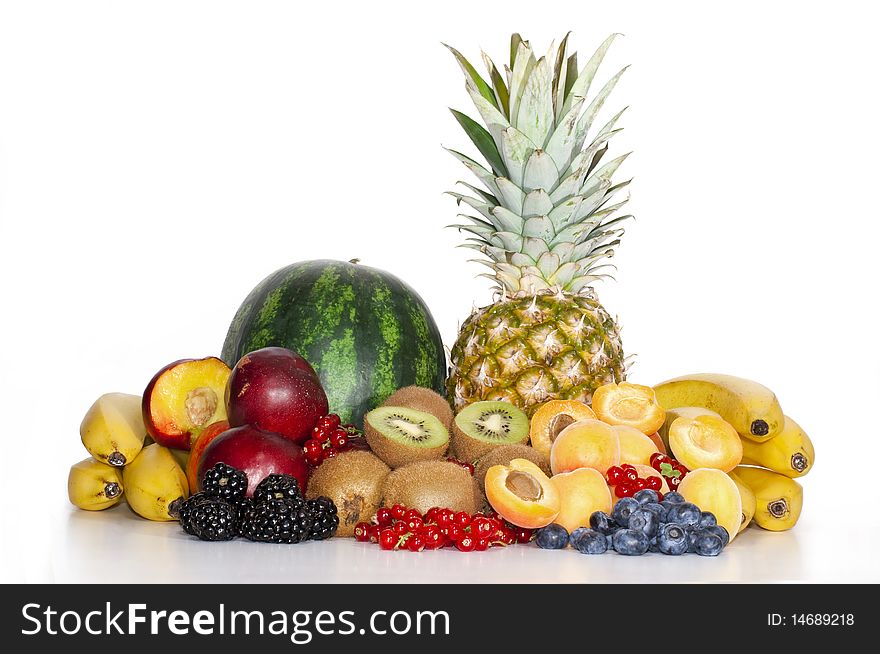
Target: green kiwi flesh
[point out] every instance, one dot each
(483, 426)
(426, 484)
(400, 435)
(422, 399)
(353, 480)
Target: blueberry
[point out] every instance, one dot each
(609, 541)
(601, 522)
(622, 510)
(672, 539)
(707, 519)
(644, 521)
(646, 495)
(552, 537)
(708, 544)
(653, 546)
(721, 532)
(588, 541)
(673, 497)
(686, 514)
(630, 542)
(657, 509)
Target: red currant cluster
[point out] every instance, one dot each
(669, 468)
(626, 481)
(399, 528)
(330, 437)
(464, 464)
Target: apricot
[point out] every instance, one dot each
(581, 493)
(705, 441)
(629, 404)
(522, 494)
(551, 418)
(585, 444)
(635, 447)
(661, 446)
(713, 490)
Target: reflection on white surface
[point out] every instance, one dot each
(117, 546)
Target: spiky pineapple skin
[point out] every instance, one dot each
(532, 348)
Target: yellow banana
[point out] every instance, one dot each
(751, 408)
(155, 484)
(93, 486)
(747, 497)
(790, 452)
(779, 499)
(113, 430)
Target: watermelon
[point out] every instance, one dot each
(366, 332)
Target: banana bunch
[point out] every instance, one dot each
(776, 450)
(150, 478)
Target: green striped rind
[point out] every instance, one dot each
(366, 332)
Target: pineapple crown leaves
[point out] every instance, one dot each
(547, 213)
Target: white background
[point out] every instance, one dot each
(158, 159)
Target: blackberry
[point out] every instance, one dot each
(324, 516)
(187, 508)
(214, 520)
(243, 507)
(278, 521)
(277, 487)
(225, 481)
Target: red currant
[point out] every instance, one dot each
(412, 513)
(466, 543)
(639, 484)
(398, 511)
(362, 532)
(481, 527)
(614, 475)
(624, 489)
(329, 453)
(462, 519)
(312, 447)
(415, 543)
(383, 516)
(445, 517)
(328, 423)
(630, 475)
(627, 466)
(656, 459)
(414, 524)
(400, 527)
(481, 545)
(320, 435)
(523, 535)
(374, 532)
(659, 496)
(433, 537)
(654, 483)
(388, 539)
(673, 482)
(339, 438)
(453, 532)
(508, 536)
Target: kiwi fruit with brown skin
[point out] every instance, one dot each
(422, 399)
(426, 484)
(483, 426)
(504, 455)
(353, 480)
(399, 435)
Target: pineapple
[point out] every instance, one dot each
(547, 220)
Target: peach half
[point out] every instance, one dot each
(585, 444)
(522, 494)
(702, 439)
(629, 404)
(581, 493)
(551, 418)
(635, 447)
(714, 491)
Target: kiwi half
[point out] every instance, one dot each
(504, 455)
(353, 480)
(426, 484)
(400, 435)
(422, 399)
(483, 426)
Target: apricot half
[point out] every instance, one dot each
(551, 418)
(522, 494)
(183, 398)
(581, 493)
(705, 440)
(629, 404)
(585, 444)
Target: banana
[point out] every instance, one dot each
(790, 452)
(687, 412)
(113, 430)
(155, 484)
(779, 499)
(747, 497)
(751, 408)
(93, 486)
